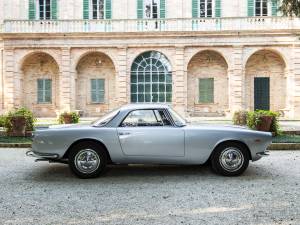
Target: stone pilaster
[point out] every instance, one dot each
(296, 78)
(180, 82)
(9, 82)
(1, 81)
(236, 81)
(122, 78)
(66, 82)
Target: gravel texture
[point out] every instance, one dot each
(42, 193)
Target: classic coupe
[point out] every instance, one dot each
(148, 134)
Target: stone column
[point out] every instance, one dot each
(236, 81)
(66, 82)
(296, 75)
(8, 81)
(122, 95)
(179, 77)
(1, 81)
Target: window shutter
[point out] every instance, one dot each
(140, 11)
(218, 8)
(54, 9)
(195, 7)
(85, 9)
(40, 85)
(274, 7)
(206, 90)
(48, 90)
(31, 10)
(93, 90)
(101, 90)
(108, 9)
(162, 9)
(250, 7)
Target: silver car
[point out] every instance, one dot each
(148, 134)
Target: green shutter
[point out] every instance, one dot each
(206, 90)
(97, 90)
(44, 92)
(162, 9)
(250, 7)
(274, 7)
(108, 9)
(31, 10)
(140, 11)
(218, 11)
(195, 7)
(54, 9)
(40, 95)
(85, 9)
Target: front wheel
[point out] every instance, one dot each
(87, 160)
(230, 159)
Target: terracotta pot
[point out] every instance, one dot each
(18, 126)
(67, 119)
(265, 125)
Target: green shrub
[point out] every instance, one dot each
(240, 118)
(2, 120)
(30, 119)
(254, 119)
(75, 117)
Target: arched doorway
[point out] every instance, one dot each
(40, 84)
(95, 84)
(265, 82)
(207, 84)
(151, 78)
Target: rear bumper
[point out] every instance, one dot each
(42, 155)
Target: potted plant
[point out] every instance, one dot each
(240, 118)
(264, 121)
(19, 122)
(69, 118)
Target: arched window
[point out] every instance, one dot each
(151, 78)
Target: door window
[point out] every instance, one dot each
(146, 118)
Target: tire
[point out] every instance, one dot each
(87, 160)
(230, 159)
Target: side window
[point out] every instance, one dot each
(162, 117)
(142, 118)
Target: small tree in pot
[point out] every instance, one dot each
(68, 118)
(240, 118)
(264, 121)
(19, 122)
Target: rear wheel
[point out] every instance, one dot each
(87, 159)
(230, 159)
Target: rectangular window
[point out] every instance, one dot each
(98, 9)
(44, 93)
(205, 8)
(45, 10)
(151, 9)
(97, 90)
(206, 90)
(261, 7)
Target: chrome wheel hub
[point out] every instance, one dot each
(87, 161)
(231, 159)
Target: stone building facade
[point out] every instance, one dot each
(203, 57)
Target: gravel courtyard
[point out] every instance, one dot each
(43, 193)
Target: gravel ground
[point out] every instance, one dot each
(42, 193)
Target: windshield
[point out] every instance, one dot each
(178, 120)
(106, 118)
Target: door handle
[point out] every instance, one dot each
(124, 133)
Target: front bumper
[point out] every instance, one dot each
(42, 155)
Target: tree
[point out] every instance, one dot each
(290, 7)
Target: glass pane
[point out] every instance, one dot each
(133, 98)
(154, 87)
(162, 97)
(140, 118)
(141, 88)
(133, 88)
(148, 88)
(147, 97)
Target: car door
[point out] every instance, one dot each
(150, 133)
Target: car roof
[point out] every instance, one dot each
(144, 106)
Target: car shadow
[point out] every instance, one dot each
(138, 173)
